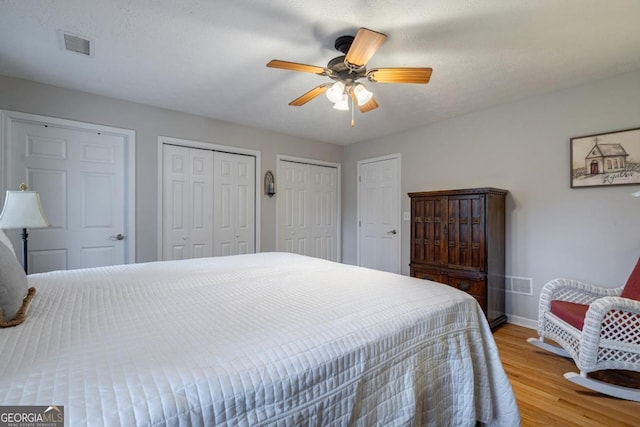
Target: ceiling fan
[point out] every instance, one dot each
(347, 69)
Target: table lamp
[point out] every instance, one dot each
(22, 209)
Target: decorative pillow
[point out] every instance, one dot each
(4, 239)
(15, 296)
(632, 287)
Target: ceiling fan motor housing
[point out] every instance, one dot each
(342, 72)
(343, 43)
(338, 65)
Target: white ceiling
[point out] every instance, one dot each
(208, 57)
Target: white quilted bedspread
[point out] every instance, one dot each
(251, 340)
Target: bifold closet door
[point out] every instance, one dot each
(323, 200)
(293, 228)
(187, 203)
(234, 204)
(307, 209)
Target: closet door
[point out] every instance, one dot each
(307, 209)
(292, 210)
(234, 204)
(187, 203)
(323, 230)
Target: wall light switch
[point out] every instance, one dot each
(406, 216)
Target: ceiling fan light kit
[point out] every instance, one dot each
(350, 67)
(361, 93)
(343, 103)
(335, 92)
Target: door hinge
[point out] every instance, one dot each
(360, 178)
(359, 223)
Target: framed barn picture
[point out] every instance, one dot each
(606, 159)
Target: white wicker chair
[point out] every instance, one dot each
(609, 339)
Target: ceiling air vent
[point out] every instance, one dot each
(75, 43)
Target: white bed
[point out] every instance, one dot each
(263, 339)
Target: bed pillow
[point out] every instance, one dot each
(15, 295)
(4, 239)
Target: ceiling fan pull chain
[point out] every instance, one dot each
(353, 122)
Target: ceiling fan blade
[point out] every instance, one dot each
(400, 75)
(294, 66)
(364, 45)
(370, 105)
(316, 91)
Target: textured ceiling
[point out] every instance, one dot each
(208, 57)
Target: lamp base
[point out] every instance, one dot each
(25, 261)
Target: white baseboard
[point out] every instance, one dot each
(522, 321)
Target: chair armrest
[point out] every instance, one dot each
(573, 291)
(612, 323)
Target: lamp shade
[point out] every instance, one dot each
(22, 209)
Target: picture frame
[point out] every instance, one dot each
(605, 159)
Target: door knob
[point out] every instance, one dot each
(118, 237)
(392, 232)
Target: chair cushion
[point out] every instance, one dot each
(632, 287)
(571, 312)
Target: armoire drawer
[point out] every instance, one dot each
(435, 275)
(474, 285)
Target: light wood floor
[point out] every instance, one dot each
(546, 398)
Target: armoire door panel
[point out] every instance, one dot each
(429, 237)
(465, 232)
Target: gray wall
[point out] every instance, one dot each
(592, 234)
(149, 123)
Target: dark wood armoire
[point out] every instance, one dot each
(458, 238)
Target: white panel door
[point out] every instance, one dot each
(81, 177)
(378, 215)
(308, 209)
(293, 231)
(234, 204)
(323, 229)
(187, 203)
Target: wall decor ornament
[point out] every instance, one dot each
(606, 159)
(269, 184)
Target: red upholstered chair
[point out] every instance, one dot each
(598, 328)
